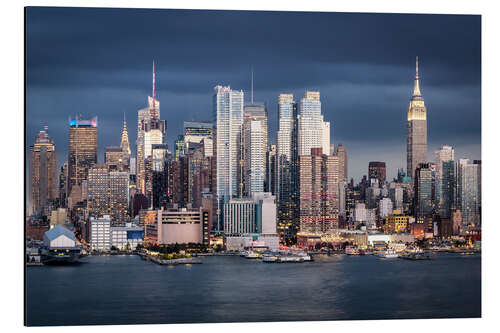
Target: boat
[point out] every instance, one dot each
(290, 258)
(351, 251)
(243, 253)
(387, 254)
(416, 256)
(269, 258)
(253, 255)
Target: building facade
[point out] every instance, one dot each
(319, 192)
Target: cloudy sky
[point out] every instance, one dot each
(98, 62)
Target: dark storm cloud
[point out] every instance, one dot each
(98, 62)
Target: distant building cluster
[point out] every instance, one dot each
(224, 179)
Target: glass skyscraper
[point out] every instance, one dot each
(228, 116)
(288, 169)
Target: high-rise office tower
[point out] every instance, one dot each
(376, 170)
(319, 192)
(63, 184)
(313, 131)
(255, 157)
(228, 114)
(341, 153)
(468, 192)
(447, 186)
(151, 130)
(98, 190)
(287, 169)
(254, 112)
(416, 147)
(43, 174)
(424, 188)
(82, 154)
(118, 196)
(446, 153)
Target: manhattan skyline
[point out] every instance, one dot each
(104, 70)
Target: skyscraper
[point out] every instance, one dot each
(447, 188)
(82, 154)
(43, 174)
(468, 192)
(98, 191)
(313, 132)
(341, 153)
(228, 114)
(417, 129)
(287, 169)
(151, 130)
(424, 188)
(319, 192)
(63, 184)
(255, 157)
(160, 176)
(445, 154)
(118, 195)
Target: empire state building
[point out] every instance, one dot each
(417, 129)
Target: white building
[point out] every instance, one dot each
(59, 237)
(286, 106)
(250, 215)
(255, 157)
(100, 233)
(126, 237)
(360, 213)
(266, 213)
(313, 132)
(385, 207)
(228, 113)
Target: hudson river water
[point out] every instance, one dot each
(128, 290)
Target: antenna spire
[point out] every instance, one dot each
(417, 67)
(251, 90)
(154, 84)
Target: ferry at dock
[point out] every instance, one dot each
(388, 254)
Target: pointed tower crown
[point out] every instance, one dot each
(124, 144)
(417, 110)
